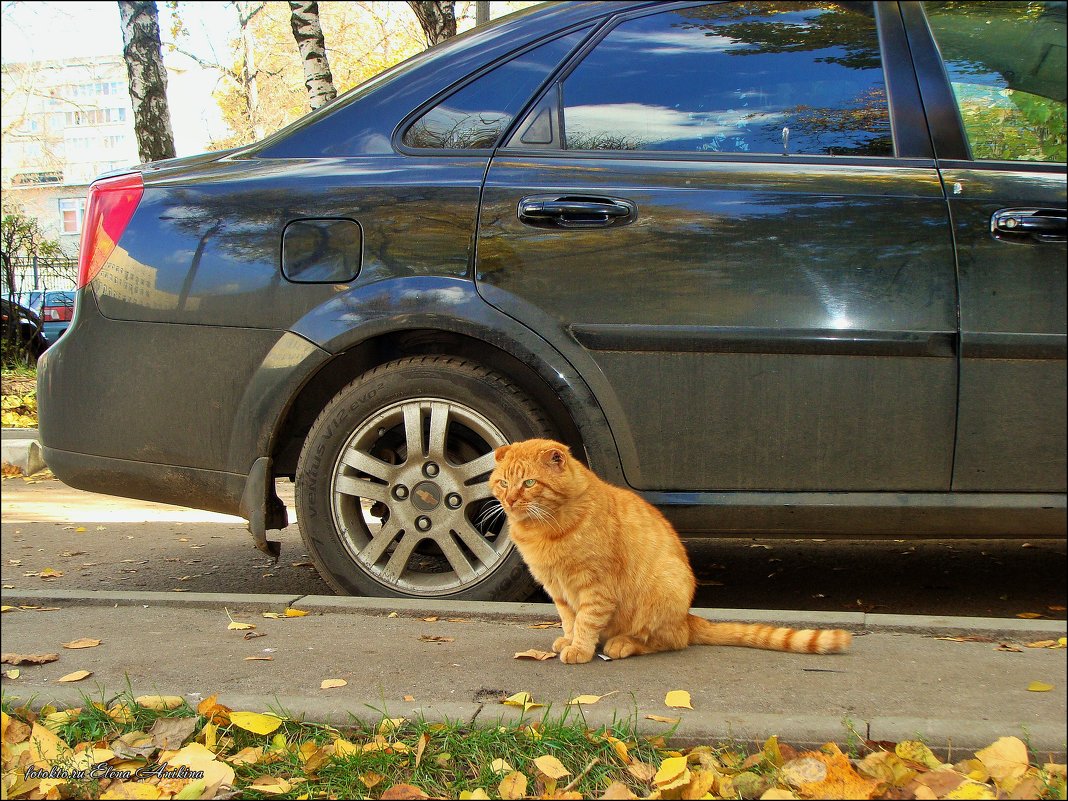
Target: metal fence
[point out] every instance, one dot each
(38, 273)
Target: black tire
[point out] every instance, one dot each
(382, 518)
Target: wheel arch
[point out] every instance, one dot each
(384, 347)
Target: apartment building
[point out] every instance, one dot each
(64, 123)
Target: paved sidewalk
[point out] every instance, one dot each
(898, 682)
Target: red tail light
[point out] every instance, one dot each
(57, 314)
(108, 211)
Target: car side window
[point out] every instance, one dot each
(476, 115)
(1006, 63)
(742, 77)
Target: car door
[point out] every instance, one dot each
(1000, 135)
(715, 202)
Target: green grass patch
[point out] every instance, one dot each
(275, 755)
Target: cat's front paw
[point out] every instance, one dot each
(576, 655)
(560, 643)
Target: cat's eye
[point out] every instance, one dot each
(502, 482)
(530, 482)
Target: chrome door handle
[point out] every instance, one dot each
(575, 211)
(1028, 225)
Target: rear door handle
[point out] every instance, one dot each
(1028, 225)
(576, 211)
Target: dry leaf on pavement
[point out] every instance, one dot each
(83, 642)
(535, 654)
(28, 659)
(77, 675)
(678, 699)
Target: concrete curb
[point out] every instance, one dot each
(485, 610)
(20, 447)
(695, 728)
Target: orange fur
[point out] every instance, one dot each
(613, 565)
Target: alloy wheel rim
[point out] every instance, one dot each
(411, 499)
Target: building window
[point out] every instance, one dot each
(72, 211)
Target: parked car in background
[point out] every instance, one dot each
(55, 307)
(783, 268)
(22, 325)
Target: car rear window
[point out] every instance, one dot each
(1006, 63)
(475, 116)
(760, 77)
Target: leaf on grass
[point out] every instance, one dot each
(330, 684)
(915, 751)
(403, 792)
(246, 756)
(641, 771)
(589, 699)
(662, 719)
(270, 785)
(28, 659)
(424, 738)
(533, 653)
(617, 791)
(159, 703)
(133, 745)
(552, 767)
(77, 675)
(235, 626)
(343, 748)
(672, 774)
(523, 700)
(840, 781)
(1006, 761)
(678, 699)
(83, 642)
(215, 712)
(886, 767)
(501, 766)
(512, 786)
(139, 790)
(170, 733)
(45, 747)
(370, 779)
(255, 722)
(1039, 687)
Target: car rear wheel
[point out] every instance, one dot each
(392, 487)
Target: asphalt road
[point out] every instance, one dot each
(100, 542)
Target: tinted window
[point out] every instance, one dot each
(1006, 63)
(730, 78)
(476, 115)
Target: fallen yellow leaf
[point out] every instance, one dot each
(1039, 687)
(589, 699)
(255, 722)
(533, 653)
(294, 612)
(522, 700)
(13, 674)
(1029, 615)
(270, 785)
(84, 642)
(159, 703)
(138, 790)
(678, 699)
(77, 675)
(370, 779)
(512, 786)
(330, 684)
(235, 626)
(551, 767)
(501, 766)
(1006, 761)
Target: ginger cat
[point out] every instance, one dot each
(613, 565)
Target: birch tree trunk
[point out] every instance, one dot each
(246, 12)
(148, 80)
(304, 18)
(436, 17)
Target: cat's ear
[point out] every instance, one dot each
(554, 459)
(500, 452)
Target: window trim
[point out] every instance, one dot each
(902, 94)
(397, 139)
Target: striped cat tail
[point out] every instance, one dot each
(771, 638)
